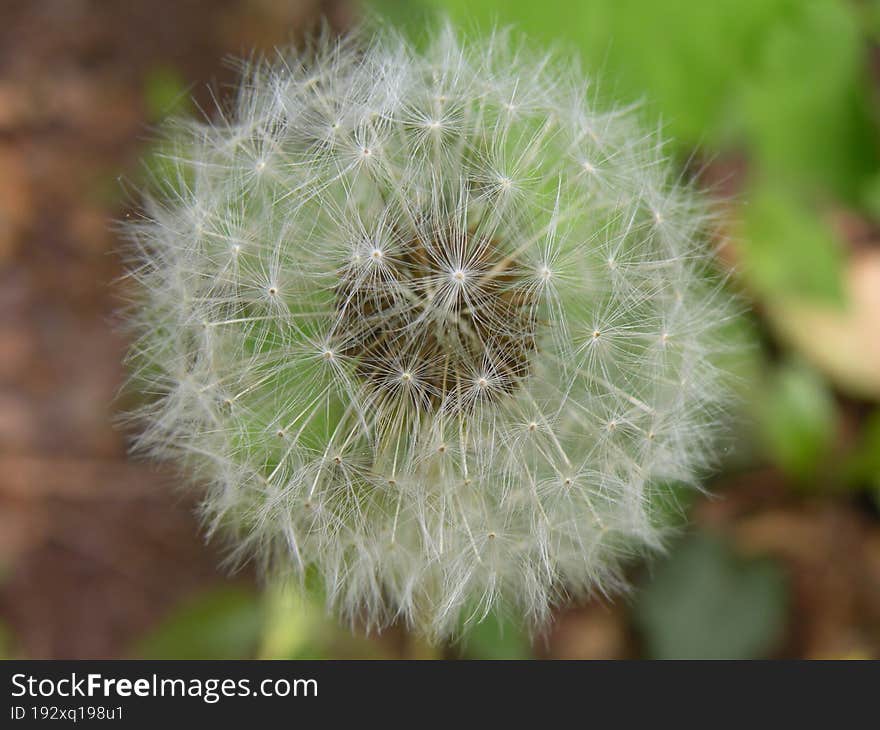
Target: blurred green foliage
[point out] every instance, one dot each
(496, 637)
(798, 420)
(223, 623)
(165, 94)
(785, 78)
(281, 621)
(292, 623)
(297, 626)
(705, 602)
(862, 467)
(789, 248)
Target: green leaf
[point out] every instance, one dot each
(787, 250)
(223, 623)
(804, 100)
(685, 58)
(704, 602)
(797, 420)
(785, 79)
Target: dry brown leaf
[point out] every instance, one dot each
(842, 343)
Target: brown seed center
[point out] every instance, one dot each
(441, 332)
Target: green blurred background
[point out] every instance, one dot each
(773, 104)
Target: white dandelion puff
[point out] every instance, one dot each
(429, 323)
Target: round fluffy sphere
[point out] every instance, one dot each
(429, 323)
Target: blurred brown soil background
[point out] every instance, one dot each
(94, 548)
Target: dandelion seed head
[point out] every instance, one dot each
(427, 299)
